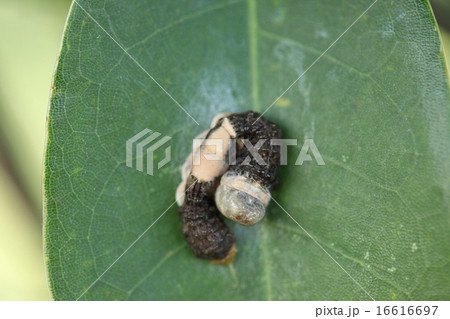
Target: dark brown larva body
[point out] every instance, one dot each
(204, 230)
(262, 129)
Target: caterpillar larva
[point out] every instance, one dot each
(240, 195)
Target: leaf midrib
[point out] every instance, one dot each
(254, 74)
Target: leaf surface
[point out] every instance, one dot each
(374, 220)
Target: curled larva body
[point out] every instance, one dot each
(239, 189)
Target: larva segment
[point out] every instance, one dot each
(206, 170)
(204, 230)
(262, 129)
(209, 160)
(244, 191)
(186, 171)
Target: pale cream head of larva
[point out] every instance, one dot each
(186, 171)
(218, 117)
(241, 199)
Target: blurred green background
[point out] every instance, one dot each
(30, 35)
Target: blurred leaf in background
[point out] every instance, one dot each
(441, 9)
(445, 34)
(22, 275)
(30, 34)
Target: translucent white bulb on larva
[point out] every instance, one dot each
(241, 199)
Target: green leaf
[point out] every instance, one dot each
(376, 104)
